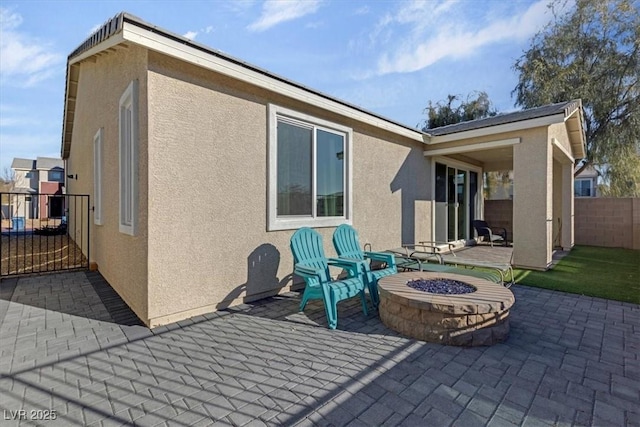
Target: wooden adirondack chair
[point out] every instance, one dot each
(345, 240)
(313, 266)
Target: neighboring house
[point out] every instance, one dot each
(40, 181)
(201, 166)
(586, 183)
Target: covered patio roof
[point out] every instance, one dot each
(497, 153)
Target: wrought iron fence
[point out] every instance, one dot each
(43, 233)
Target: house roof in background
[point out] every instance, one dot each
(567, 108)
(49, 163)
(23, 164)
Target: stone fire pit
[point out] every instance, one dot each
(470, 319)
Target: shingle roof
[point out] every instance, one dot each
(24, 164)
(501, 119)
(49, 163)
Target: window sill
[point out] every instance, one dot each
(296, 223)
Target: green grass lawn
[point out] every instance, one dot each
(609, 273)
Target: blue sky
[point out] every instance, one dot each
(389, 57)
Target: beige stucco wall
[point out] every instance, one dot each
(532, 200)
(208, 160)
(121, 259)
(557, 204)
(543, 190)
(559, 132)
(563, 198)
(532, 193)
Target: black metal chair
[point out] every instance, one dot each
(491, 234)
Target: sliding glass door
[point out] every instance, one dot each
(456, 192)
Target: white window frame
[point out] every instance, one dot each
(128, 160)
(591, 186)
(97, 178)
(290, 223)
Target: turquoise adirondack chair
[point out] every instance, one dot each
(345, 240)
(313, 266)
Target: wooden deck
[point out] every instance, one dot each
(497, 254)
(486, 253)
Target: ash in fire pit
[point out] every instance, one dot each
(441, 286)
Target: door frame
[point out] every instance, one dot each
(458, 164)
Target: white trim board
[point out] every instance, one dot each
(472, 147)
(162, 44)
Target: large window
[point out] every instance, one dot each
(97, 178)
(128, 151)
(309, 171)
(583, 188)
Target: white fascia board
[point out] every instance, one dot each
(107, 44)
(186, 53)
(112, 41)
(576, 115)
(472, 147)
(492, 130)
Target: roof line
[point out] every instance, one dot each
(116, 24)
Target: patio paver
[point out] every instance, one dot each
(69, 344)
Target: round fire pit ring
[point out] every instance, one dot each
(476, 318)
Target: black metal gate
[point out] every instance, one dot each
(43, 233)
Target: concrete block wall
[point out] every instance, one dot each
(499, 213)
(608, 222)
(598, 221)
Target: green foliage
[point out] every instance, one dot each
(454, 110)
(497, 184)
(609, 273)
(622, 175)
(589, 51)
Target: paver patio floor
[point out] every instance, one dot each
(68, 344)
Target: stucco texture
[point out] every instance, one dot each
(208, 242)
(532, 165)
(121, 259)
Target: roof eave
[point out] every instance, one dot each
(574, 122)
(497, 129)
(125, 28)
(107, 37)
(201, 56)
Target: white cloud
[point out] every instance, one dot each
(24, 61)
(190, 35)
(436, 33)
(314, 25)
(94, 29)
(239, 6)
(275, 12)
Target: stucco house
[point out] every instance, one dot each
(43, 176)
(149, 113)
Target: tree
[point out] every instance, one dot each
(622, 177)
(590, 51)
(454, 110)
